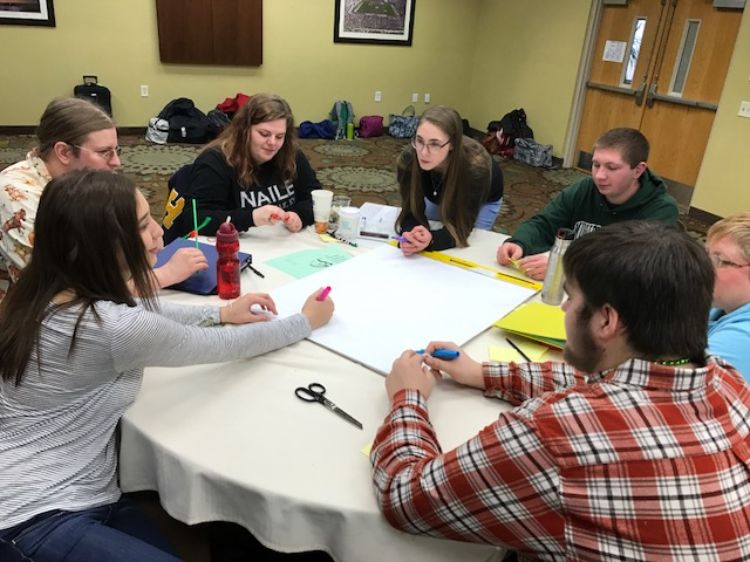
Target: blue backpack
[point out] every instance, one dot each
(322, 130)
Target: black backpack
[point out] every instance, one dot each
(514, 126)
(187, 123)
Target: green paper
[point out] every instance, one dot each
(304, 263)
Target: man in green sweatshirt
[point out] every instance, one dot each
(621, 187)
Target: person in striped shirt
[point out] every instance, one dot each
(636, 448)
(73, 345)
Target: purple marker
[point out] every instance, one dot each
(400, 239)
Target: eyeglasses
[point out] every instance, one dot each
(720, 263)
(431, 146)
(105, 153)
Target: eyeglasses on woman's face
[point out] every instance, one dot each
(105, 154)
(721, 263)
(432, 146)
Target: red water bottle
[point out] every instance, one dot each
(228, 264)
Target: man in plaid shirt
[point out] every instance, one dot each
(639, 449)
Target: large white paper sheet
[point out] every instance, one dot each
(386, 303)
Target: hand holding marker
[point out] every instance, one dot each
(323, 294)
(441, 353)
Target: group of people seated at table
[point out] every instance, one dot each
(637, 446)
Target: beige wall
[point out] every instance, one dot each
(723, 186)
(527, 55)
(117, 40)
(483, 57)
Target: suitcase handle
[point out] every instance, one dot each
(90, 79)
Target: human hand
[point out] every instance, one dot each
(240, 311)
(407, 373)
(463, 369)
(268, 214)
(183, 263)
(292, 222)
(534, 266)
(318, 312)
(508, 252)
(415, 240)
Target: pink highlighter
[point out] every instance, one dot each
(323, 294)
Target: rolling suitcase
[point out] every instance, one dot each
(93, 91)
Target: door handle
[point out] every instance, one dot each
(639, 93)
(650, 96)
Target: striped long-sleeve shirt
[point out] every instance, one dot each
(57, 446)
(644, 462)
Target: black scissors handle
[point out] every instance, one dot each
(313, 392)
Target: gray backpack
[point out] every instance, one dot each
(533, 153)
(341, 114)
(157, 131)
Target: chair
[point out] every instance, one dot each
(171, 221)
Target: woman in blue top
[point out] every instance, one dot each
(729, 322)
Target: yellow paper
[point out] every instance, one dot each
(535, 319)
(326, 238)
(504, 354)
(366, 450)
(534, 351)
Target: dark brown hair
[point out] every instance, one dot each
(467, 165)
(87, 239)
(631, 143)
(658, 279)
(234, 141)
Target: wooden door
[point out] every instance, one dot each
(671, 90)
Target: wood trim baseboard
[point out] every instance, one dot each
(703, 216)
(17, 129)
(31, 129)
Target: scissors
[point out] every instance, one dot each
(314, 392)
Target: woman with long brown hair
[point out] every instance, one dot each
(448, 177)
(254, 172)
(73, 345)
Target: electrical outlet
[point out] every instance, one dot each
(427, 98)
(144, 90)
(378, 95)
(415, 98)
(744, 109)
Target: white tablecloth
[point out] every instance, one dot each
(231, 442)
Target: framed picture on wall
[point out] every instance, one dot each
(377, 22)
(27, 12)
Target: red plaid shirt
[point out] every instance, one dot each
(643, 462)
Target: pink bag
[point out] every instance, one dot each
(371, 126)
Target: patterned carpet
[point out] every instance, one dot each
(363, 169)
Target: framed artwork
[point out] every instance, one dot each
(377, 22)
(27, 12)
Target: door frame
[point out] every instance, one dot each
(579, 94)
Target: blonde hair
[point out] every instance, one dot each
(736, 227)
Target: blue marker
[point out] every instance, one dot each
(441, 353)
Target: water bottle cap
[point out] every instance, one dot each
(226, 233)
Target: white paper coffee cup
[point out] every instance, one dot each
(321, 204)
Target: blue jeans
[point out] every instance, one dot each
(117, 532)
(485, 219)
